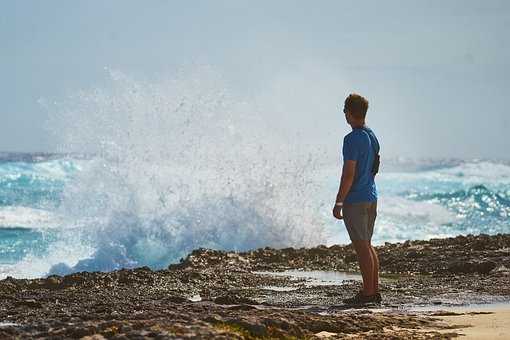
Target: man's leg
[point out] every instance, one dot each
(376, 269)
(366, 264)
(372, 215)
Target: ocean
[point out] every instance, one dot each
(54, 221)
(147, 171)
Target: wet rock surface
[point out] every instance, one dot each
(218, 294)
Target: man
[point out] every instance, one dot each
(356, 201)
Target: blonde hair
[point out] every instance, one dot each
(357, 105)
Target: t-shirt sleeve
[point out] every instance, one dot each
(349, 150)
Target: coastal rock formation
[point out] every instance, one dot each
(462, 254)
(224, 294)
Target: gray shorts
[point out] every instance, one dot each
(359, 219)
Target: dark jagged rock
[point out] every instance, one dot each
(482, 267)
(52, 282)
(251, 324)
(233, 299)
(420, 257)
(176, 299)
(31, 303)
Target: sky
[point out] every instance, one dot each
(435, 72)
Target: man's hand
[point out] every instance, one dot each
(337, 212)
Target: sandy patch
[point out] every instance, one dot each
(494, 324)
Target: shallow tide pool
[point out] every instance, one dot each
(311, 278)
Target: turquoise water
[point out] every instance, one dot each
(43, 228)
(468, 197)
(16, 243)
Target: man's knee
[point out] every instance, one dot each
(361, 245)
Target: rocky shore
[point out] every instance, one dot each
(231, 295)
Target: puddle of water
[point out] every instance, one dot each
(316, 277)
(467, 308)
(474, 307)
(7, 324)
(279, 289)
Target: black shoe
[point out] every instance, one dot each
(360, 299)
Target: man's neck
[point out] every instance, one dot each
(358, 125)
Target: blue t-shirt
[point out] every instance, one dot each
(359, 146)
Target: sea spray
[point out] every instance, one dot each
(179, 164)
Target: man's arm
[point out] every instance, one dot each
(348, 172)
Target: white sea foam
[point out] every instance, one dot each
(400, 219)
(415, 211)
(64, 252)
(481, 172)
(25, 217)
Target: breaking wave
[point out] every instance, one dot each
(179, 164)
